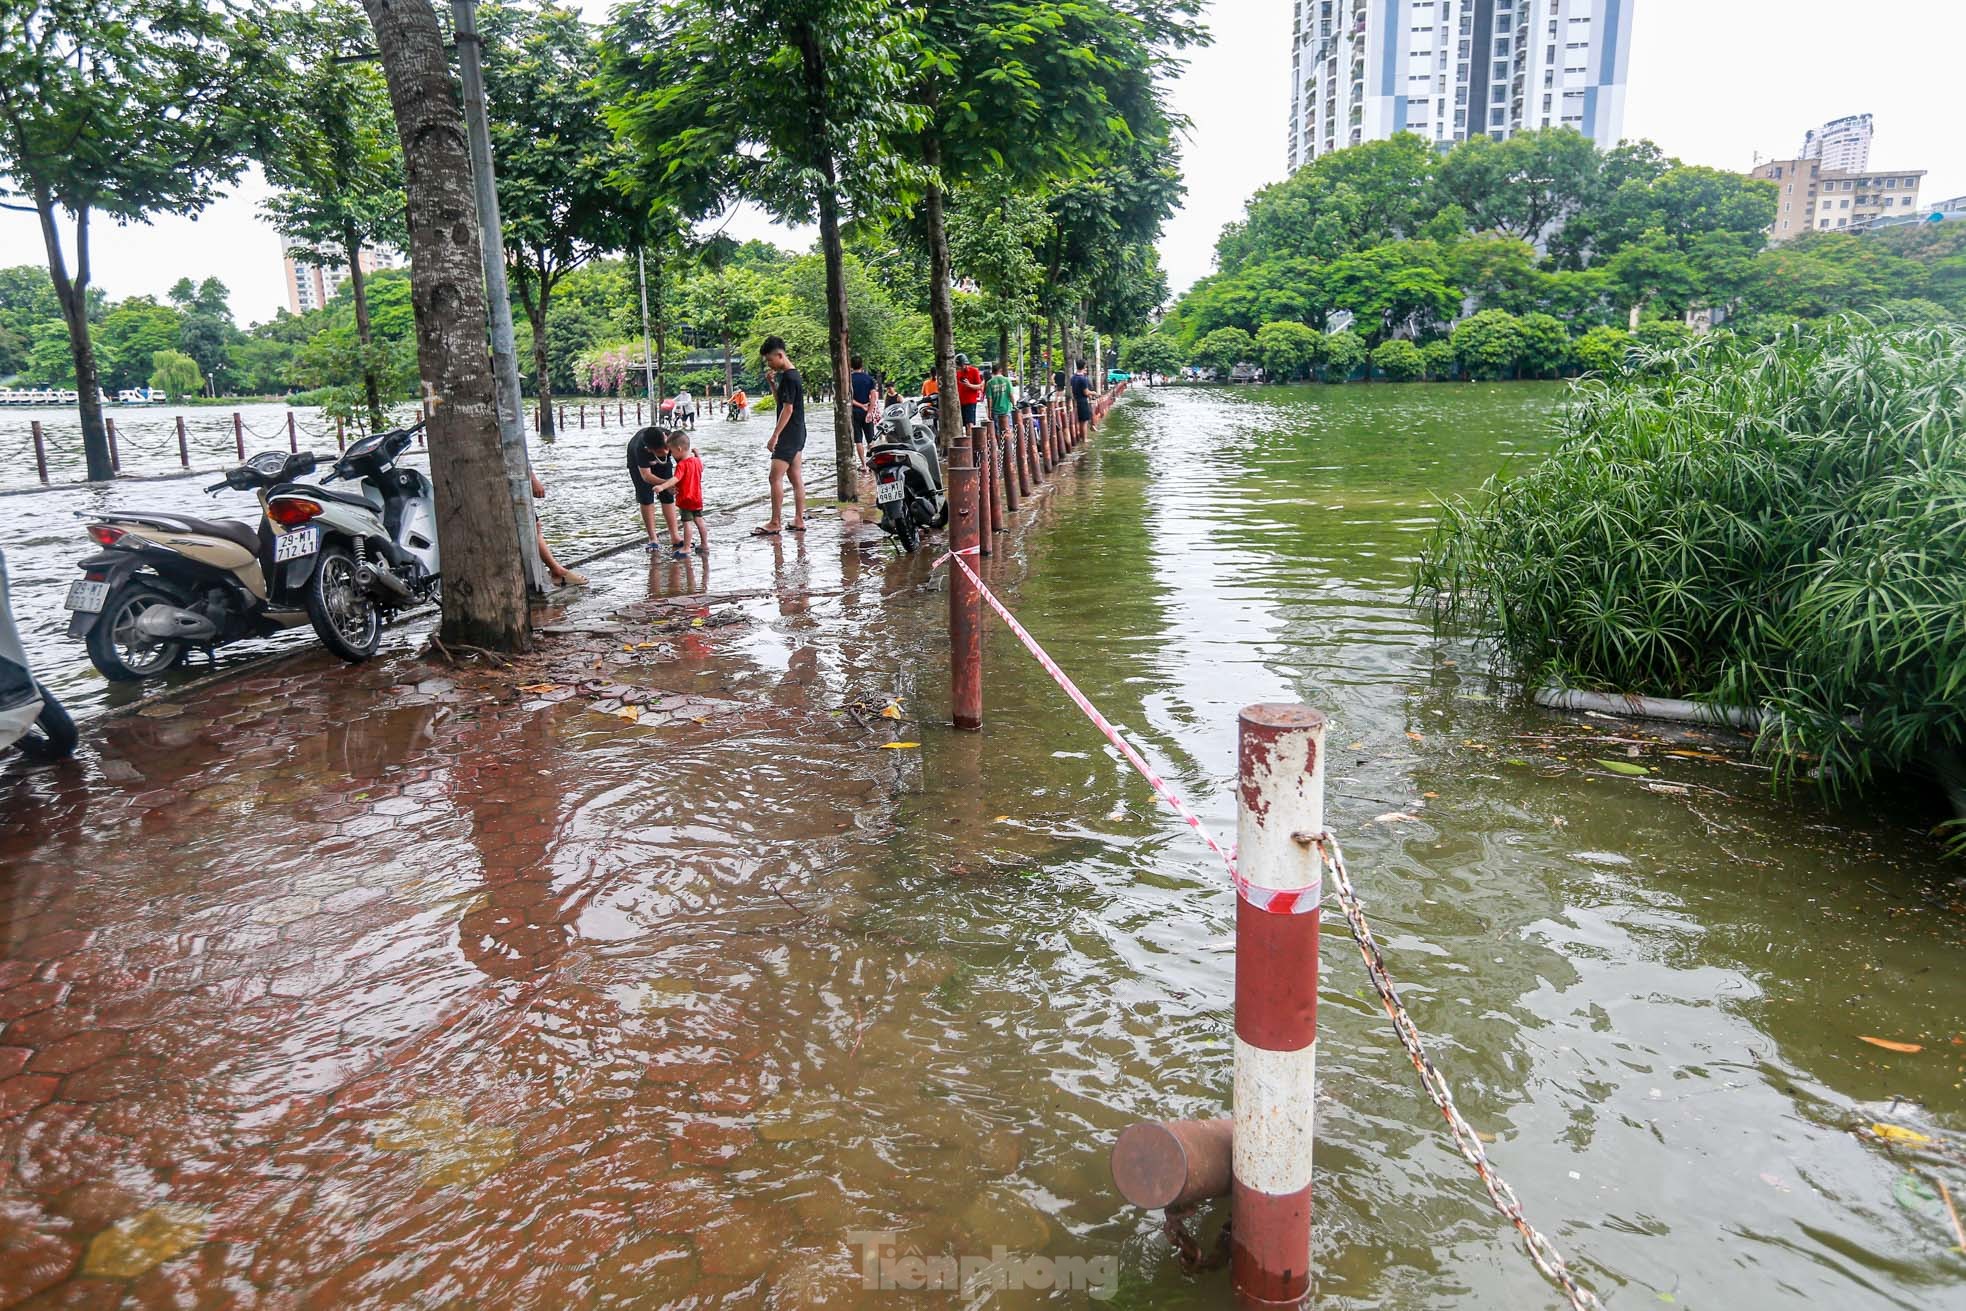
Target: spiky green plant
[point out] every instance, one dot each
(1777, 525)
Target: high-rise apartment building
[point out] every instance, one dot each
(1811, 197)
(308, 287)
(1842, 144)
(1362, 70)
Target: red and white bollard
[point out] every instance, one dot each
(1281, 813)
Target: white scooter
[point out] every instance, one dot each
(30, 717)
(354, 560)
(907, 469)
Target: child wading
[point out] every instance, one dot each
(689, 495)
(654, 475)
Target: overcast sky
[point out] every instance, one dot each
(1712, 81)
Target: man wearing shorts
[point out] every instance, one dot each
(1082, 398)
(864, 416)
(969, 389)
(787, 442)
(653, 473)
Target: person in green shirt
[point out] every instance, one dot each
(1001, 396)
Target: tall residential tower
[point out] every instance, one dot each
(1362, 70)
(1841, 145)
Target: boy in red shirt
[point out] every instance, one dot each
(689, 495)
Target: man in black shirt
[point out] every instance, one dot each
(787, 442)
(864, 414)
(1082, 398)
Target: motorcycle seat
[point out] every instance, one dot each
(231, 530)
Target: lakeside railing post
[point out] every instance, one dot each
(1279, 818)
(293, 434)
(115, 456)
(1006, 438)
(340, 436)
(239, 435)
(40, 452)
(965, 602)
(994, 474)
(583, 414)
(986, 536)
(183, 445)
(563, 417)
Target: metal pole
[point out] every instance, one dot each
(979, 445)
(1007, 443)
(965, 602)
(293, 437)
(340, 436)
(115, 457)
(239, 435)
(40, 451)
(183, 446)
(505, 359)
(648, 350)
(1280, 812)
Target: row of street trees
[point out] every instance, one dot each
(1029, 140)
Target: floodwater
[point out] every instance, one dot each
(396, 987)
(588, 504)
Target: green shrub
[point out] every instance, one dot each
(1288, 349)
(1223, 349)
(1439, 356)
(1399, 360)
(1488, 344)
(1778, 526)
(1602, 349)
(1344, 355)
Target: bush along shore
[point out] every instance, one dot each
(1777, 526)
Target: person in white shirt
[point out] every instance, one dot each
(685, 408)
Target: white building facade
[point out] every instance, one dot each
(1362, 70)
(1841, 145)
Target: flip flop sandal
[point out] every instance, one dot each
(762, 531)
(797, 528)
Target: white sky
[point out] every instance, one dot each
(1712, 81)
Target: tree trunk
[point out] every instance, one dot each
(73, 294)
(1003, 344)
(729, 369)
(846, 478)
(351, 246)
(661, 338)
(941, 310)
(542, 379)
(484, 577)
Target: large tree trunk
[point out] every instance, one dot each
(941, 310)
(484, 577)
(73, 294)
(846, 477)
(351, 245)
(729, 369)
(542, 378)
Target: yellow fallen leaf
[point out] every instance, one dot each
(632, 714)
(1896, 1133)
(1415, 736)
(892, 710)
(539, 687)
(625, 646)
(1890, 1046)
(696, 623)
(898, 746)
(647, 646)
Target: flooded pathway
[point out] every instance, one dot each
(411, 985)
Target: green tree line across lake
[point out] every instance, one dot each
(1529, 257)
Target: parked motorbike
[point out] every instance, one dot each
(30, 717)
(164, 583)
(354, 560)
(907, 469)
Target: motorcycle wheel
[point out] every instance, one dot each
(905, 533)
(345, 618)
(56, 737)
(110, 642)
(942, 516)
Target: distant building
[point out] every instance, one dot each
(1842, 144)
(308, 287)
(1362, 70)
(1943, 211)
(1811, 197)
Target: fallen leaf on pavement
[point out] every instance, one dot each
(892, 710)
(898, 746)
(1890, 1046)
(1625, 767)
(632, 714)
(1415, 736)
(539, 687)
(1897, 1133)
(1395, 817)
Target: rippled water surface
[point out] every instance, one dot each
(465, 997)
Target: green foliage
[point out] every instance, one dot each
(1223, 349)
(1399, 360)
(1438, 357)
(175, 374)
(1602, 350)
(129, 336)
(1544, 347)
(1777, 526)
(1153, 353)
(1488, 344)
(1344, 355)
(1288, 350)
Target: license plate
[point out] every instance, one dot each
(890, 491)
(298, 544)
(86, 596)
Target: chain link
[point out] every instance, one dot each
(1541, 1250)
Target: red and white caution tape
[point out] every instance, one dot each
(1293, 901)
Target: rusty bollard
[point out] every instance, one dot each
(965, 602)
(40, 451)
(293, 436)
(115, 456)
(1173, 1163)
(183, 445)
(1005, 433)
(239, 435)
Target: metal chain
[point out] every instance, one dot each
(1541, 1250)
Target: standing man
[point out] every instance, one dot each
(787, 442)
(969, 390)
(1082, 398)
(685, 408)
(1003, 399)
(863, 411)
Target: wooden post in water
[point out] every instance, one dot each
(1279, 817)
(115, 456)
(563, 417)
(239, 435)
(183, 445)
(638, 414)
(40, 451)
(340, 436)
(965, 602)
(293, 434)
